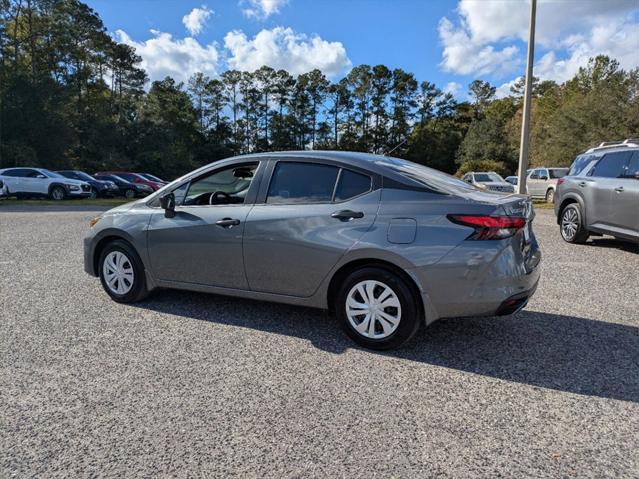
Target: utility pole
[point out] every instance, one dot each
(525, 120)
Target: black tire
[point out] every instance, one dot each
(129, 194)
(550, 196)
(576, 233)
(138, 290)
(94, 193)
(57, 193)
(409, 319)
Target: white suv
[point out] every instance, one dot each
(23, 182)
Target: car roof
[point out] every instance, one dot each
(367, 161)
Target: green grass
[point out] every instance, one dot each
(79, 202)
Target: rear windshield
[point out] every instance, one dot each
(558, 172)
(487, 177)
(580, 164)
(433, 179)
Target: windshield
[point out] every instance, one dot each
(580, 164)
(52, 174)
(487, 177)
(426, 176)
(117, 178)
(83, 176)
(151, 177)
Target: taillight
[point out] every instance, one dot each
(560, 181)
(490, 227)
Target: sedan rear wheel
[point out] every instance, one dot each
(571, 225)
(377, 309)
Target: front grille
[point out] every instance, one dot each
(501, 188)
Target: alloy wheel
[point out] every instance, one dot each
(57, 194)
(118, 272)
(569, 223)
(373, 309)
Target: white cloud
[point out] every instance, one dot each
(452, 87)
(618, 40)
(462, 55)
(262, 9)
(179, 58)
(503, 90)
(196, 19)
(283, 48)
(482, 40)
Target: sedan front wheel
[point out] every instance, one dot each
(122, 273)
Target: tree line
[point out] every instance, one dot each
(73, 97)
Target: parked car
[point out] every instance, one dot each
(542, 182)
(151, 177)
(387, 244)
(513, 180)
(600, 194)
(135, 178)
(103, 188)
(489, 180)
(4, 191)
(40, 182)
(126, 188)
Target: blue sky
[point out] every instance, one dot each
(449, 42)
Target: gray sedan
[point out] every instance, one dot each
(386, 244)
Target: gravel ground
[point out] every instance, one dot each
(194, 385)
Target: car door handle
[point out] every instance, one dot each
(347, 215)
(582, 183)
(227, 222)
(619, 189)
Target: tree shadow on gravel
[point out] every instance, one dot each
(565, 353)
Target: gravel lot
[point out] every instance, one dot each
(198, 385)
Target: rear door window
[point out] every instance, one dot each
(16, 173)
(294, 182)
(352, 184)
(558, 172)
(611, 165)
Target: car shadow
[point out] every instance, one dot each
(564, 353)
(614, 243)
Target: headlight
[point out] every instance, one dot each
(73, 187)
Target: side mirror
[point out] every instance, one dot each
(167, 202)
(40, 176)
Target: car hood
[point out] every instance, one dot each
(495, 183)
(69, 181)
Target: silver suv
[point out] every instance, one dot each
(542, 182)
(600, 195)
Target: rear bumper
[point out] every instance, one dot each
(480, 278)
